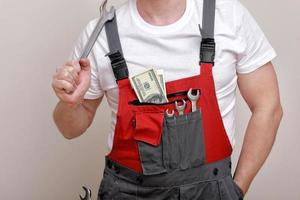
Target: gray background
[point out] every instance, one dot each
(36, 162)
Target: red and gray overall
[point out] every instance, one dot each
(160, 157)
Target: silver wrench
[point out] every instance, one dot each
(180, 108)
(193, 98)
(170, 114)
(105, 16)
(88, 194)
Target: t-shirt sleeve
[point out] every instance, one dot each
(95, 90)
(256, 50)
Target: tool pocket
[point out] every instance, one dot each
(168, 143)
(183, 141)
(148, 132)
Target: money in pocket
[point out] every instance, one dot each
(149, 86)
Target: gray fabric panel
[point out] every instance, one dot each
(106, 187)
(193, 184)
(203, 173)
(208, 21)
(124, 190)
(170, 142)
(151, 158)
(194, 149)
(185, 141)
(203, 190)
(112, 34)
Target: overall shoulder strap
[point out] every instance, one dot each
(207, 49)
(208, 19)
(115, 55)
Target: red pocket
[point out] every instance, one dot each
(149, 127)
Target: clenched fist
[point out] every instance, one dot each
(72, 80)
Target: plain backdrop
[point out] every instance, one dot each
(36, 162)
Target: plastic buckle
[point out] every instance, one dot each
(207, 50)
(119, 65)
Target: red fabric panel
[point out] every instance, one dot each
(149, 127)
(217, 144)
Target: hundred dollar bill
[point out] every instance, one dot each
(160, 73)
(148, 87)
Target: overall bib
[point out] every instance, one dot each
(158, 157)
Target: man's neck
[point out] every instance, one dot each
(161, 12)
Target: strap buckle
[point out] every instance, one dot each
(207, 50)
(119, 65)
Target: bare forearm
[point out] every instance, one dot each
(73, 114)
(259, 139)
(72, 121)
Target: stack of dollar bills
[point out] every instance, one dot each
(150, 86)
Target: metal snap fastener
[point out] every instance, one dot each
(216, 171)
(133, 123)
(109, 164)
(139, 179)
(117, 170)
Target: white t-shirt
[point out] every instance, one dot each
(241, 47)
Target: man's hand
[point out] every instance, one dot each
(73, 115)
(72, 80)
